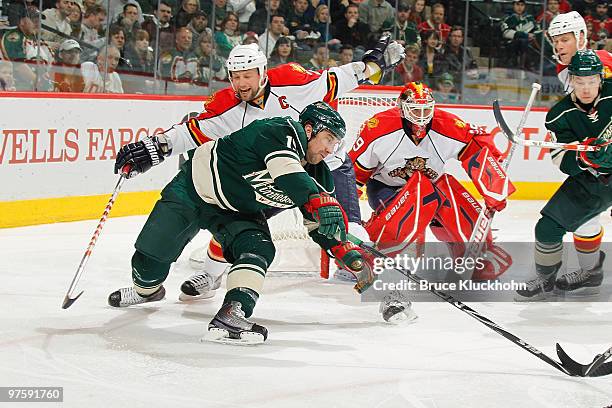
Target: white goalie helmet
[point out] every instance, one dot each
(416, 103)
(571, 22)
(243, 57)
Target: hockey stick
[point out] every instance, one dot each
(568, 366)
(485, 218)
(69, 299)
(515, 140)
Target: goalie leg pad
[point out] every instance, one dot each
(406, 215)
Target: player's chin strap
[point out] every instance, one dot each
(597, 368)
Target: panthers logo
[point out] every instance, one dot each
(298, 68)
(372, 123)
(459, 123)
(414, 164)
(607, 72)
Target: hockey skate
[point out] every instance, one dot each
(396, 308)
(540, 287)
(125, 297)
(229, 326)
(581, 282)
(200, 286)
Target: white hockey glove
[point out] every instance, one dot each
(386, 54)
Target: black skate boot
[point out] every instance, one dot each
(200, 286)
(128, 296)
(541, 286)
(396, 308)
(581, 282)
(229, 326)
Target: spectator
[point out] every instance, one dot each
(430, 56)
(436, 23)
(180, 64)
(259, 19)
(75, 17)
(338, 8)
(221, 10)
(272, 34)
(244, 9)
(585, 7)
(518, 30)
(209, 66)
(199, 25)
(484, 94)
(128, 20)
(405, 31)
(7, 80)
(101, 76)
(552, 11)
(376, 14)
(139, 53)
(351, 31)
(446, 92)
(345, 55)
(250, 37)
(115, 8)
(57, 19)
(409, 70)
(417, 12)
(283, 52)
(67, 75)
(452, 57)
(319, 60)
(91, 24)
(116, 37)
(322, 25)
(299, 23)
(229, 36)
(186, 12)
(163, 14)
(602, 24)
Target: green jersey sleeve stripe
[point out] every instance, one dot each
(281, 153)
(280, 166)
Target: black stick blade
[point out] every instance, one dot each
(597, 368)
(573, 367)
(68, 301)
(604, 369)
(501, 122)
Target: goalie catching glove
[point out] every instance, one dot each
(355, 260)
(141, 155)
(329, 214)
(600, 159)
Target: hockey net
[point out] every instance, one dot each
(295, 251)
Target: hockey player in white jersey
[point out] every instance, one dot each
(400, 156)
(258, 93)
(568, 33)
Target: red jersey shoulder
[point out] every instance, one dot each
(219, 103)
(291, 74)
(450, 125)
(606, 60)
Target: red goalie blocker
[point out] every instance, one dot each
(404, 217)
(489, 178)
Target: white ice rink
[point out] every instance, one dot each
(325, 349)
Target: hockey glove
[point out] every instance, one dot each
(601, 158)
(329, 214)
(386, 54)
(141, 156)
(355, 260)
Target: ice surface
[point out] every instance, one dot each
(326, 348)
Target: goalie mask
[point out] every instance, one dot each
(416, 103)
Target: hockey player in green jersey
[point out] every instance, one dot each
(583, 116)
(271, 163)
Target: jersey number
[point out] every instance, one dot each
(358, 144)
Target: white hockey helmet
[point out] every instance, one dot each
(249, 56)
(416, 103)
(571, 22)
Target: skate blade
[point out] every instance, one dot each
(217, 335)
(540, 297)
(578, 293)
(188, 298)
(344, 276)
(403, 318)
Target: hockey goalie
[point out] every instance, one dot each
(400, 156)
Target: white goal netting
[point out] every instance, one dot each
(295, 252)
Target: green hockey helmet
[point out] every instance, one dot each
(321, 116)
(585, 63)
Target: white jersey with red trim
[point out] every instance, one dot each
(385, 151)
(290, 88)
(563, 74)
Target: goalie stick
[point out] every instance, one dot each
(485, 218)
(70, 298)
(516, 140)
(597, 368)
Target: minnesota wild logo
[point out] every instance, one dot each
(265, 190)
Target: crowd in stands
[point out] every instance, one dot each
(170, 46)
